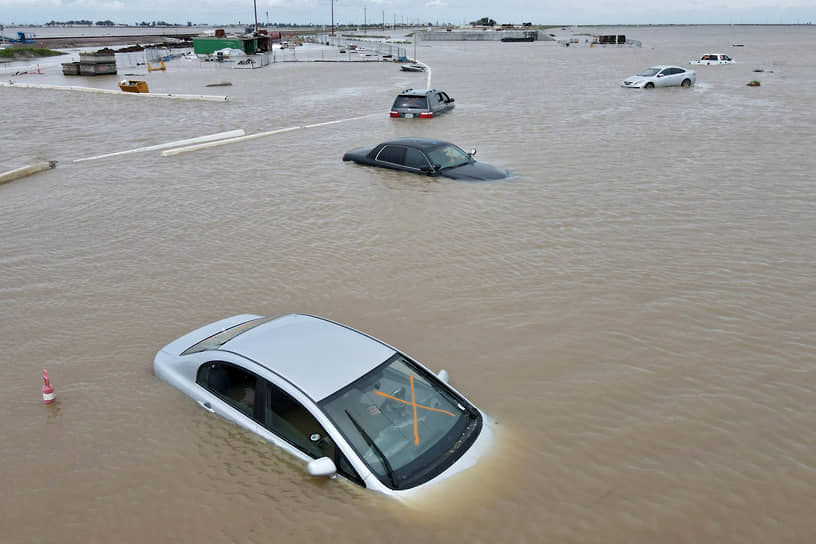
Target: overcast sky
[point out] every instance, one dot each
(587, 12)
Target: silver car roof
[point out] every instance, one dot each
(316, 355)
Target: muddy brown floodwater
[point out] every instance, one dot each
(635, 308)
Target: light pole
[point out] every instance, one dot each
(332, 12)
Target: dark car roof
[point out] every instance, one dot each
(418, 143)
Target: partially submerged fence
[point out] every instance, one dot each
(367, 45)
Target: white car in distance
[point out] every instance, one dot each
(713, 58)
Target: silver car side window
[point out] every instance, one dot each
(290, 420)
(231, 383)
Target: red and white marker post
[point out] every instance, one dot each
(48, 390)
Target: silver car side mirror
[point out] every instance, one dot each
(472, 152)
(443, 375)
(322, 467)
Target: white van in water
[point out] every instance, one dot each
(713, 58)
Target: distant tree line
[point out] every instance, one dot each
(80, 22)
(85, 22)
(484, 21)
(487, 21)
(160, 23)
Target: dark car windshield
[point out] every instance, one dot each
(449, 156)
(403, 423)
(405, 101)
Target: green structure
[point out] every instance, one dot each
(249, 45)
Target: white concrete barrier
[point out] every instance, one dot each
(24, 171)
(204, 97)
(186, 149)
(189, 141)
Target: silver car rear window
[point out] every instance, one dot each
(220, 338)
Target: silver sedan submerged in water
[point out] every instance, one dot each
(661, 76)
(340, 400)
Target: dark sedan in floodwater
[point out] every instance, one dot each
(428, 157)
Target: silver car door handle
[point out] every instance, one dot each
(206, 406)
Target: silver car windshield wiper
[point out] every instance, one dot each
(375, 447)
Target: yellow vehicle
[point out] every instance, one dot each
(133, 86)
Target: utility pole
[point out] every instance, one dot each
(364, 19)
(332, 13)
(255, 5)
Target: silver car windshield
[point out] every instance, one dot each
(403, 423)
(449, 156)
(648, 72)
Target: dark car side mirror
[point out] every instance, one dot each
(472, 152)
(451, 99)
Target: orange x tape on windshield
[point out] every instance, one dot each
(413, 404)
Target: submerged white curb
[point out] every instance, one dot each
(120, 93)
(189, 141)
(24, 171)
(171, 152)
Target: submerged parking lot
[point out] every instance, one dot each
(634, 308)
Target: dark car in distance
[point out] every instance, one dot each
(421, 103)
(428, 157)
